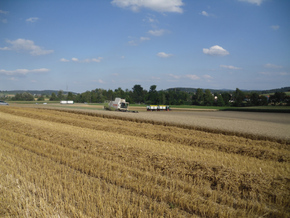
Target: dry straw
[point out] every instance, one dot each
(78, 164)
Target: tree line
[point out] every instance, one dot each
(165, 97)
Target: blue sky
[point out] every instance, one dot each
(86, 44)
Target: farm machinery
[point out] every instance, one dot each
(158, 108)
(119, 105)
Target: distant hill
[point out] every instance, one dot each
(35, 92)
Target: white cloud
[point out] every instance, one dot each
(156, 32)
(208, 77)
(64, 60)
(257, 2)
(3, 12)
(275, 27)
(204, 13)
(5, 49)
(133, 43)
(230, 67)
(88, 60)
(274, 73)
(144, 38)
(188, 76)
(101, 81)
(22, 72)
(136, 42)
(150, 19)
(272, 66)
(32, 19)
(26, 45)
(155, 5)
(164, 55)
(215, 51)
(174, 76)
(192, 77)
(265, 73)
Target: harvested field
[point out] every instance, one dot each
(72, 163)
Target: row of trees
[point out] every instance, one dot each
(165, 97)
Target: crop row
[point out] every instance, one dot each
(77, 165)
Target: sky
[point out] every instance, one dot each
(82, 45)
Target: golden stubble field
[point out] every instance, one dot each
(71, 163)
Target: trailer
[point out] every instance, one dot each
(158, 108)
(66, 102)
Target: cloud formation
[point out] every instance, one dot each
(230, 67)
(215, 51)
(204, 13)
(136, 42)
(156, 32)
(32, 19)
(188, 76)
(257, 2)
(164, 55)
(156, 5)
(272, 66)
(275, 27)
(89, 60)
(3, 12)
(26, 45)
(192, 77)
(22, 72)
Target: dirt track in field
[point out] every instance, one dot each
(270, 125)
(273, 125)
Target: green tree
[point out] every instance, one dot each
(239, 97)
(208, 98)
(162, 97)
(40, 98)
(153, 95)
(278, 97)
(70, 96)
(53, 97)
(110, 95)
(60, 95)
(220, 101)
(263, 101)
(99, 95)
(25, 96)
(198, 98)
(138, 94)
(226, 98)
(254, 99)
(120, 93)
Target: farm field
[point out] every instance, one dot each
(78, 163)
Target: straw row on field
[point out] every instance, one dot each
(86, 166)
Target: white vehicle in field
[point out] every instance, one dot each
(119, 104)
(3, 103)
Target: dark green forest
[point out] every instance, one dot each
(172, 96)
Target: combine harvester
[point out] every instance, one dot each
(119, 105)
(158, 108)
